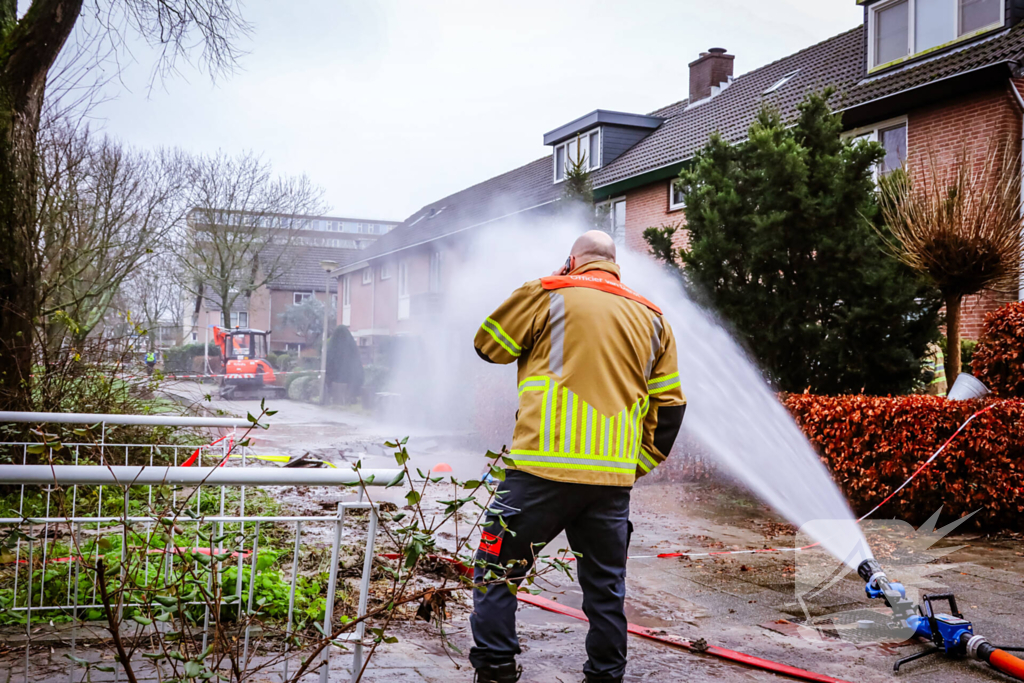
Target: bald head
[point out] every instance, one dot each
(593, 246)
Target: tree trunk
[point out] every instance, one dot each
(28, 48)
(952, 338)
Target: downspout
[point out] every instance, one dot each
(1020, 103)
(373, 301)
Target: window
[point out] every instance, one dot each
(781, 82)
(293, 348)
(435, 272)
(385, 271)
(894, 140)
(900, 28)
(346, 295)
(676, 198)
(617, 220)
(299, 297)
(585, 147)
(892, 135)
(367, 275)
(240, 319)
(403, 290)
(195, 336)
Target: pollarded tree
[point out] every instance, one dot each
(961, 227)
(30, 43)
(782, 244)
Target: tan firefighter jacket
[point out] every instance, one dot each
(596, 363)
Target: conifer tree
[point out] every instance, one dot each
(783, 243)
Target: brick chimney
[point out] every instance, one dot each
(712, 68)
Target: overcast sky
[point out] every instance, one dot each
(391, 105)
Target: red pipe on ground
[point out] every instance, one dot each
(672, 641)
(650, 634)
(1008, 664)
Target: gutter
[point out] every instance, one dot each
(359, 265)
(929, 84)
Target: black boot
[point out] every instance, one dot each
(502, 673)
(588, 679)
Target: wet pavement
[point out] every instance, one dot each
(756, 603)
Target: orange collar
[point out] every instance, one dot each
(596, 278)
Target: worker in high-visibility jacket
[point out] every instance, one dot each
(934, 369)
(600, 405)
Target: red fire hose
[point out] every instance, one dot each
(1007, 663)
(650, 634)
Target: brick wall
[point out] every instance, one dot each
(647, 207)
(938, 134)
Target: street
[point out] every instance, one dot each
(743, 602)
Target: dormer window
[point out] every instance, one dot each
(585, 147)
(898, 29)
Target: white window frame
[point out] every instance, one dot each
(299, 297)
(872, 133)
(585, 135)
(385, 271)
(368, 275)
(346, 300)
(436, 261)
(236, 319)
(873, 11)
(619, 241)
(672, 205)
(403, 290)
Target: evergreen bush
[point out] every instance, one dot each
(784, 243)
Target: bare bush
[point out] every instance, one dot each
(960, 225)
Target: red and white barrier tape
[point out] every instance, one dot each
(195, 455)
(248, 375)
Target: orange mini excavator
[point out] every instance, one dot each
(247, 374)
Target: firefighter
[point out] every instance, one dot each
(600, 405)
(934, 367)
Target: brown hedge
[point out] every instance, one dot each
(872, 444)
(999, 358)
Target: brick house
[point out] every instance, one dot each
(315, 239)
(923, 78)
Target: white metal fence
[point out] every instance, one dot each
(66, 495)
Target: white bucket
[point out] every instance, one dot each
(966, 387)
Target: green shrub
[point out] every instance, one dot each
(294, 377)
(178, 359)
(376, 378)
(304, 387)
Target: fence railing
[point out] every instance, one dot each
(56, 538)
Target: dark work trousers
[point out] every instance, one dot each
(596, 521)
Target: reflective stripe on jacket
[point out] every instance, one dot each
(596, 362)
(934, 367)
